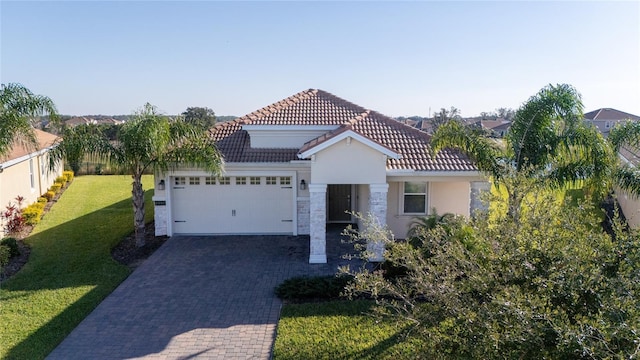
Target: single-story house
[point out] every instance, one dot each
(606, 118)
(25, 171)
(312, 159)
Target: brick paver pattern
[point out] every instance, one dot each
(198, 298)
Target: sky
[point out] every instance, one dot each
(397, 58)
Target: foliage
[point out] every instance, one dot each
(43, 200)
(12, 217)
(200, 117)
(551, 286)
(70, 269)
(68, 175)
(548, 146)
(55, 187)
(312, 288)
(4, 256)
(33, 213)
(49, 195)
(18, 108)
(62, 180)
(11, 244)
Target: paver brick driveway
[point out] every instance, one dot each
(197, 297)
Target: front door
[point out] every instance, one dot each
(340, 203)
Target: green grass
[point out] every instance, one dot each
(340, 330)
(70, 269)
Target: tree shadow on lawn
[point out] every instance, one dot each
(61, 260)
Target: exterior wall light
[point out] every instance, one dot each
(303, 185)
(161, 185)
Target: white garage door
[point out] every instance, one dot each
(232, 205)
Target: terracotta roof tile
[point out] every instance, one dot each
(317, 107)
(45, 140)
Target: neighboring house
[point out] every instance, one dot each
(630, 205)
(84, 120)
(25, 172)
(605, 119)
(308, 160)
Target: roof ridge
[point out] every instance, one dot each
(271, 108)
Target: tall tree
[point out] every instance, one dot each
(151, 141)
(19, 109)
(444, 116)
(548, 145)
(202, 117)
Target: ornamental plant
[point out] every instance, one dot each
(13, 221)
(551, 285)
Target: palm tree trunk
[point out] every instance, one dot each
(138, 209)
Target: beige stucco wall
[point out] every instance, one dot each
(15, 180)
(630, 207)
(445, 197)
(344, 163)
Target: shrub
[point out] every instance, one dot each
(49, 195)
(4, 256)
(548, 286)
(12, 217)
(43, 200)
(33, 213)
(55, 187)
(61, 180)
(68, 175)
(12, 245)
(310, 288)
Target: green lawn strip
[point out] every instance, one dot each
(70, 269)
(340, 330)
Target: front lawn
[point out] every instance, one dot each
(340, 330)
(70, 269)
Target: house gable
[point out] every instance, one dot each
(348, 161)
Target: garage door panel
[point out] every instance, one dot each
(233, 208)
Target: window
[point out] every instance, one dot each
(194, 180)
(224, 180)
(272, 180)
(209, 180)
(32, 175)
(179, 180)
(285, 180)
(241, 180)
(415, 198)
(254, 180)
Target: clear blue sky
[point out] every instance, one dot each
(399, 58)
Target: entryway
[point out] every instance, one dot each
(341, 200)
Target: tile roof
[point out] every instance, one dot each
(45, 140)
(609, 114)
(317, 107)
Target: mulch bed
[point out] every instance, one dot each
(128, 254)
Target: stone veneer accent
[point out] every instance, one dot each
(160, 219)
(378, 209)
(303, 213)
(477, 203)
(318, 224)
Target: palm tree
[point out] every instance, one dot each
(149, 142)
(19, 107)
(627, 176)
(547, 146)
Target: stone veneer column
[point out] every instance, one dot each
(477, 203)
(318, 223)
(160, 218)
(378, 209)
